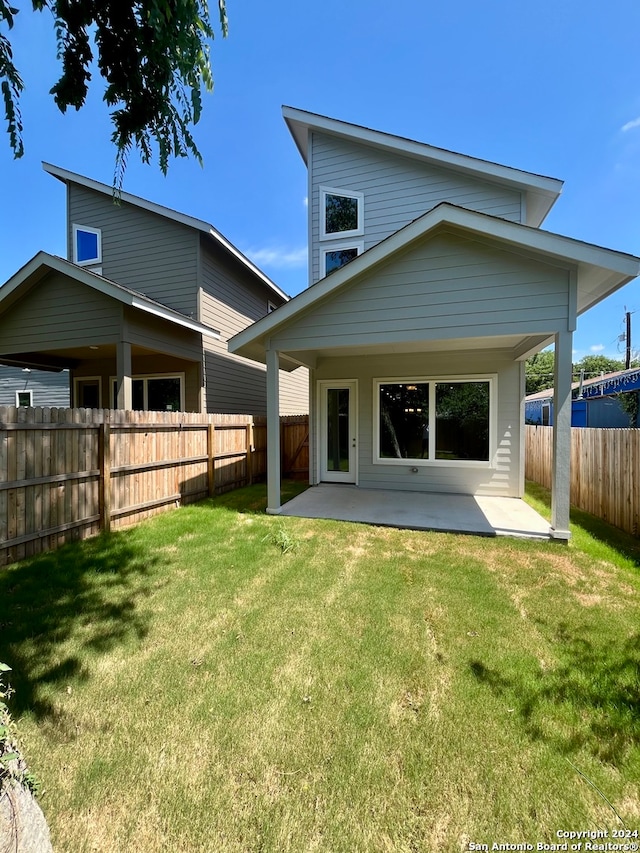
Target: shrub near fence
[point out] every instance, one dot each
(69, 473)
(604, 468)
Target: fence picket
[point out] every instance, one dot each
(68, 474)
(604, 466)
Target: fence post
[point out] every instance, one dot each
(249, 446)
(211, 461)
(104, 459)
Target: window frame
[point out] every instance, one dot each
(145, 377)
(433, 381)
(337, 247)
(28, 405)
(76, 391)
(91, 262)
(340, 235)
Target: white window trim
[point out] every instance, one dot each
(340, 235)
(92, 262)
(78, 379)
(24, 391)
(145, 377)
(491, 378)
(337, 247)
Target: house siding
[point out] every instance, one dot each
(229, 301)
(397, 189)
(59, 312)
(145, 365)
(446, 287)
(502, 478)
(48, 388)
(140, 249)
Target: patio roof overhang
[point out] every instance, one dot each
(84, 347)
(598, 273)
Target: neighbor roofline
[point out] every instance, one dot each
(66, 176)
(300, 122)
(44, 261)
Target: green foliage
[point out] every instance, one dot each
(12, 765)
(630, 404)
(154, 57)
(594, 365)
(540, 367)
(539, 371)
(283, 539)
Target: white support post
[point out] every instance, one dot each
(561, 473)
(124, 398)
(273, 432)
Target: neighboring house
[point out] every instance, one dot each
(431, 283)
(594, 402)
(21, 386)
(141, 311)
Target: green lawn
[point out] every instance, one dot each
(221, 680)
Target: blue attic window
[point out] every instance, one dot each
(87, 245)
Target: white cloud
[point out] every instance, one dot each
(305, 201)
(597, 348)
(278, 258)
(630, 125)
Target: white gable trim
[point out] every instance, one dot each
(542, 191)
(605, 269)
(42, 263)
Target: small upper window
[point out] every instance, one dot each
(24, 398)
(337, 256)
(341, 213)
(87, 245)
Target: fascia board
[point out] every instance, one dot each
(563, 250)
(42, 263)
(300, 122)
(182, 218)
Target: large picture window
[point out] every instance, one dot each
(153, 393)
(435, 420)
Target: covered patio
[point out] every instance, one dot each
(481, 516)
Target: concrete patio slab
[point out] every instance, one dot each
(483, 516)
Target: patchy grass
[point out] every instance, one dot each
(221, 680)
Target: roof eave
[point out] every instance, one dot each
(610, 269)
(542, 190)
(66, 176)
(42, 263)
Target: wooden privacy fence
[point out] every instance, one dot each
(604, 471)
(70, 473)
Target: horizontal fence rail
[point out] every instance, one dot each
(70, 473)
(604, 468)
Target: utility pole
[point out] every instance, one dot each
(627, 360)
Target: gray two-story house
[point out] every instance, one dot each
(430, 283)
(140, 311)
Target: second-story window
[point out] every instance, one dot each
(337, 255)
(341, 213)
(87, 246)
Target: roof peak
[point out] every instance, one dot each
(541, 191)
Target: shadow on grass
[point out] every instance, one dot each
(591, 699)
(59, 607)
(626, 545)
(253, 499)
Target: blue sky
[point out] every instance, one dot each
(551, 87)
